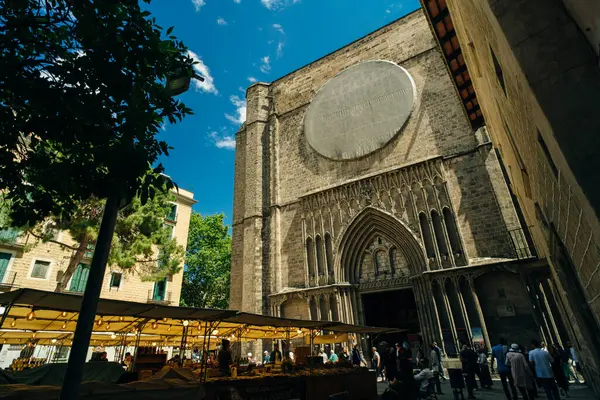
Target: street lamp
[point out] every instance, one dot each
(180, 83)
(177, 84)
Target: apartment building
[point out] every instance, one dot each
(39, 266)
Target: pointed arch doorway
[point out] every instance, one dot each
(383, 262)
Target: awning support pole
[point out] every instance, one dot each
(184, 334)
(137, 343)
(89, 302)
(203, 360)
(123, 347)
(212, 327)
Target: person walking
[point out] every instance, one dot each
(376, 363)
(439, 353)
(436, 366)
(542, 362)
(499, 352)
(521, 372)
(363, 362)
(575, 361)
(485, 378)
(225, 358)
(469, 366)
(390, 363)
(557, 368)
(355, 356)
(276, 357)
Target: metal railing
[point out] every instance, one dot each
(165, 298)
(8, 281)
(13, 237)
(522, 245)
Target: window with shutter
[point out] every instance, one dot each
(115, 280)
(172, 213)
(4, 260)
(79, 279)
(40, 269)
(160, 289)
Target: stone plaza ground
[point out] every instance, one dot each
(576, 391)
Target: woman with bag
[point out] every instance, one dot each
(485, 378)
(436, 367)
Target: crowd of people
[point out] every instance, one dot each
(539, 366)
(395, 365)
(521, 370)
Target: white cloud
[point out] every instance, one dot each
(221, 21)
(198, 4)
(279, 49)
(265, 66)
(201, 69)
(240, 110)
(277, 4)
(252, 79)
(222, 141)
(388, 11)
(279, 28)
(237, 1)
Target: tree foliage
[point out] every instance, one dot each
(207, 263)
(142, 244)
(82, 98)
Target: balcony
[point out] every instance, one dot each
(14, 238)
(8, 282)
(159, 298)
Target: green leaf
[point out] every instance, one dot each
(206, 277)
(75, 105)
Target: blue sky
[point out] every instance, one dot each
(238, 42)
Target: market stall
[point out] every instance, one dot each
(183, 342)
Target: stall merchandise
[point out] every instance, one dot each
(20, 364)
(33, 317)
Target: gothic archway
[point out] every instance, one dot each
(364, 228)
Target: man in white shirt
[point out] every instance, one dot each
(542, 361)
(376, 362)
(423, 377)
(324, 355)
(575, 361)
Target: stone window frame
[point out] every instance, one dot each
(454, 237)
(319, 255)
(374, 252)
(329, 257)
(498, 70)
(48, 271)
(310, 256)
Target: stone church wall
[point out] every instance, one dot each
(277, 170)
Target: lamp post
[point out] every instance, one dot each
(89, 304)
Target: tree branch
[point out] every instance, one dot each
(51, 240)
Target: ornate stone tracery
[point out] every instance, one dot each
(414, 195)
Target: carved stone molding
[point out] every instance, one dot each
(317, 293)
(398, 282)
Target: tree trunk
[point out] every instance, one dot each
(61, 284)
